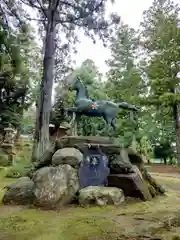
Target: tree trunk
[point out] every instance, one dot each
(177, 131)
(75, 124)
(19, 129)
(35, 134)
(41, 138)
(134, 143)
(18, 134)
(165, 161)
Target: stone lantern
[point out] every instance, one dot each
(8, 144)
(9, 136)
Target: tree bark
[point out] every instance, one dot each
(41, 138)
(134, 143)
(165, 161)
(19, 129)
(35, 135)
(18, 134)
(177, 131)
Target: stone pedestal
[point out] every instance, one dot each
(127, 170)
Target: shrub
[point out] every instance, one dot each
(4, 160)
(172, 161)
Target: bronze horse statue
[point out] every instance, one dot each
(100, 108)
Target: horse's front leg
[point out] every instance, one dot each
(134, 118)
(71, 111)
(73, 118)
(74, 124)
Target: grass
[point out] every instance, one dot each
(24, 224)
(37, 224)
(160, 217)
(75, 223)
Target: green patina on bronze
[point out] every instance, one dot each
(97, 108)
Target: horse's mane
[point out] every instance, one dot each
(86, 91)
(85, 88)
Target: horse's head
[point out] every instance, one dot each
(77, 84)
(80, 88)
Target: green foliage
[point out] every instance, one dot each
(124, 78)
(18, 66)
(58, 23)
(172, 161)
(164, 151)
(87, 72)
(144, 147)
(161, 34)
(58, 114)
(28, 121)
(150, 81)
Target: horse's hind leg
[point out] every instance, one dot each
(108, 120)
(76, 124)
(113, 123)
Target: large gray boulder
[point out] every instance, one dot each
(100, 196)
(19, 192)
(136, 170)
(55, 186)
(132, 184)
(71, 156)
(121, 163)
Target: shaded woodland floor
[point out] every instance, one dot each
(134, 220)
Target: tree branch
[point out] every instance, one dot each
(29, 4)
(5, 18)
(13, 12)
(32, 5)
(43, 9)
(36, 19)
(86, 14)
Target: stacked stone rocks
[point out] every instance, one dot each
(53, 181)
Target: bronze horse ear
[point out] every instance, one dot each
(78, 79)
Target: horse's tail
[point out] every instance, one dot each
(133, 113)
(125, 105)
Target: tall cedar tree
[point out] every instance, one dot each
(16, 49)
(124, 78)
(62, 16)
(161, 40)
